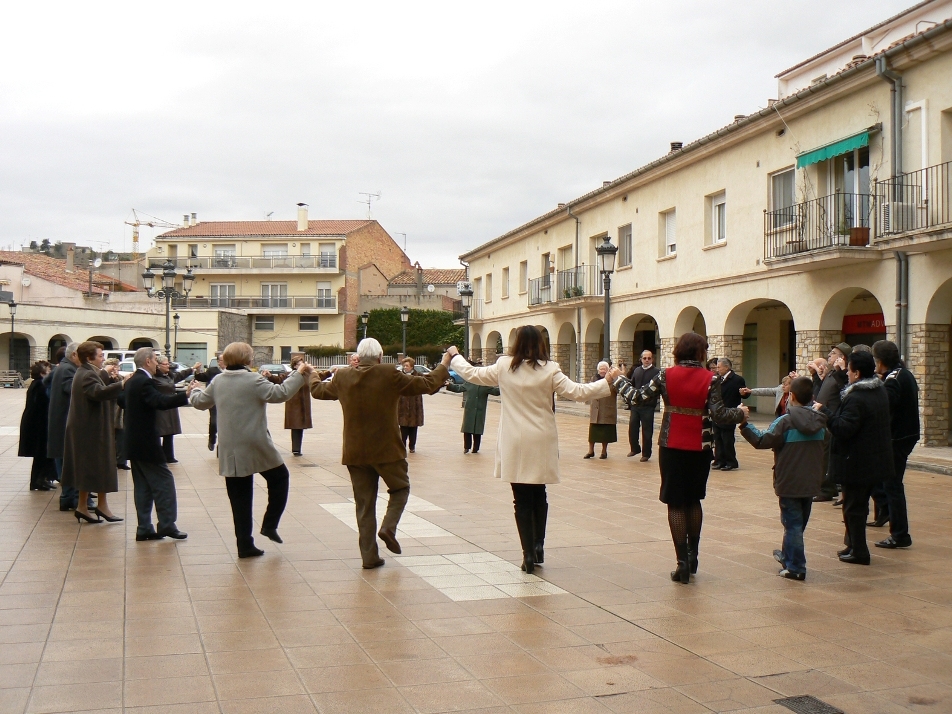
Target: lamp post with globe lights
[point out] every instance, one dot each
(606, 266)
(167, 292)
(466, 298)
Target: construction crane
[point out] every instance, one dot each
(152, 222)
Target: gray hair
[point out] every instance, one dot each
(161, 358)
(71, 350)
(724, 360)
(369, 350)
(601, 364)
(142, 355)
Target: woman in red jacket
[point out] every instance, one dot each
(692, 398)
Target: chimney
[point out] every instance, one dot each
(70, 256)
(419, 277)
(302, 216)
(561, 205)
(605, 184)
(739, 117)
(185, 221)
(194, 221)
(676, 146)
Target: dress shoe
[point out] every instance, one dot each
(295, 453)
(390, 540)
(123, 467)
(845, 551)
(271, 533)
(644, 458)
(853, 560)
(878, 523)
(789, 575)
(172, 461)
(716, 467)
(728, 468)
(251, 552)
(603, 456)
(374, 565)
(837, 502)
(108, 519)
(42, 487)
(589, 456)
(148, 536)
(67, 506)
(83, 517)
(176, 534)
(891, 542)
(632, 453)
(211, 444)
(465, 451)
(822, 499)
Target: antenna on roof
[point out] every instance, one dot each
(267, 216)
(368, 199)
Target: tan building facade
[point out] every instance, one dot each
(776, 236)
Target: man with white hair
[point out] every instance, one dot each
(369, 394)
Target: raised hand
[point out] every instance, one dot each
(746, 410)
(744, 392)
(613, 374)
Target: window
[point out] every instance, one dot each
(489, 287)
(328, 255)
(523, 277)
(546, 265)
(305, 249)
(783, 197)
(505, 282)
(274, 294)
(264, 323)
(225, 256)
(324, 296)
(478, 288)
(193, 250)
(624, 246)
(275, 250)
(309, 323)
(565, 258)
(222, 294)
(715, 216)
(667, 229)
(173, 252)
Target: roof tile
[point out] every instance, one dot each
(54, 270)
(235, 229)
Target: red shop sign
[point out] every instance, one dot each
(864, 324)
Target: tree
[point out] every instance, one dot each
(33, 246)
(428, 331)
(45, 246)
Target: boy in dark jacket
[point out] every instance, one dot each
(797, 441)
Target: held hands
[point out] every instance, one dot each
(817, 406)
(746, 410)
(197, 367)
(839, 363)
(613, 374)
(304, 368)
(744, 392)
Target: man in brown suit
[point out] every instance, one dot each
(373, 449)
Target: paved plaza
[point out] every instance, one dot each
(90, 620)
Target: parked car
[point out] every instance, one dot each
(121, 355)
(275, 368)
(420, 369)
(456, 378)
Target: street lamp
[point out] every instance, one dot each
(364, 319)
(404, 316)
(466, 297)
(606, 266)
(167, 292)
(13, 315)
(175, 320)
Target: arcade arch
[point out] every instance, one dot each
(565, 351)
(637, 333)
(56, 341)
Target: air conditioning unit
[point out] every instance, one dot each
(897, 217)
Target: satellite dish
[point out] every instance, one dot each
(25, 282)
(430, 288)
(97, 262)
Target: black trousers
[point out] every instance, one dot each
(531, 507)
(120, 451)
(297, 440)
(855, 512)
(828, 487)
(42, 471)
(241, 495)
(408, 433)
(896, 497)
(212, 426)
(472, 441)
(724, 451)
(168, 447)
(642, 419)
(153, 484)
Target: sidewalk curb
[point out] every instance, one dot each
(929, 467)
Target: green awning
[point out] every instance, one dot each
(837, 148)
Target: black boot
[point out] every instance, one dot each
(694, 543)
(683, 571)
(538, 522)
(526, 538)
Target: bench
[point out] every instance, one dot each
(10, 378)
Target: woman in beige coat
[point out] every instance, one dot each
(527, 448)
(603, 418)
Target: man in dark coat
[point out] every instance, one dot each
(168, 420)
(34, 424)
(725, 454)
(151, 478)
(861, 452)
(642, 415)
(829, 379)
(59, 384)
(903, 393)
(207, 376)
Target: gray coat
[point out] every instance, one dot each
(241, 398)
(60, 387)
(89, 450)
(168, 420)
(475, 399)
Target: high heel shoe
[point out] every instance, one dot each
(83, 517)
(109, 519)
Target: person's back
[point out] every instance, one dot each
(797, 442)
(60, 387)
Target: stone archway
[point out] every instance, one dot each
(690, 319)
(493, 348)
(108, 343)
(55, 342)
(565, 350)
(476, 347)
(23, 347)
(930, 358)
(143, 342)
(760, 339)
(636, 333)
(592, 347)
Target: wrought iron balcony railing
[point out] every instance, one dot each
(323, 261)
(254, 303)
(841, 219)
(918, 200)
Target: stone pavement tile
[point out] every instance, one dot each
(238, 662)
(931, 698)
(169, 665)
(92, 696)
(611, 680)
(729, 694)
(342, 679)
(654, 701)
(486, 666)
(370, 700)
(298, 704)
(172, 690)
(186, 708)
(79, 671)
(462, 696)
(250, 685)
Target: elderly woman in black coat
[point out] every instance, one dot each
(861, 449)
(33, 429)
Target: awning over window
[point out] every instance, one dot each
(837, 148)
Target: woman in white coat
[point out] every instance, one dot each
(527, 450)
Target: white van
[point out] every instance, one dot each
(119, 354)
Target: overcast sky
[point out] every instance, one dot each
(470, 119)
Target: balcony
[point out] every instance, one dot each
(324, 262)
(833, 230)
(572, 284)
(318, 304)
(919, 201)
(475, 311)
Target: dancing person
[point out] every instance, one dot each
(245, 447)
(297, 410)
(725, 453)
(692, 398)
(34, 426)
(780, 393)
(861, 453)
(527, 448)
(410, 410)
(152, 481)
(903, 393)
(205, 377)
(642, 415)
(475, 401)
(829, 379)
(168, 420)
(796, 437)
(59, 385)
(602, 417)
(369, 395)
(111, 367)
(89, 450)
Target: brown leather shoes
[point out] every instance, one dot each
(390, 540)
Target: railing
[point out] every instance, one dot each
(323, 261)
(475, 310)
(297, 303)
(841, 219)
(917, 200)
(541, 290)
(579, 282)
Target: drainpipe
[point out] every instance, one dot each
(896, 109)
(578, 310)
(904, 349)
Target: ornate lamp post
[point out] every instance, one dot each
(606, 266)
(404, 316)
(175, 320)
(167, 292)
(13, 316)
(466, 297)
(364, 319)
